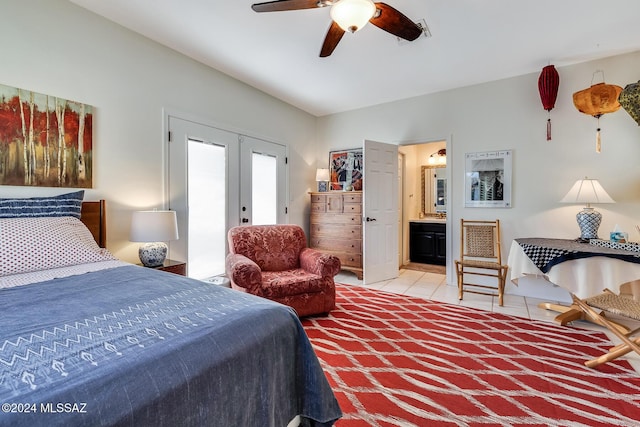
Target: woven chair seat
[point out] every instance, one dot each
(481, 264)
(616, 304)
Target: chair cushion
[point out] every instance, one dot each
(290, 282)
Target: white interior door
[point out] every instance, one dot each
(263, 187)
(380, 211)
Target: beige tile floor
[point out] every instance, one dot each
(434, 287)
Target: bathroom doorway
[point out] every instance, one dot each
(423, 239)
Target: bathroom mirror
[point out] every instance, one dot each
(434, 189)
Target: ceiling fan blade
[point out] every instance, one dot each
(394, 22)
(331, 40)
(280, 5)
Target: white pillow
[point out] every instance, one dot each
(32, 244)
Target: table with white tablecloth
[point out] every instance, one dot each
(582, 269)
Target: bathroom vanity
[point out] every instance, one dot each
(427, 241)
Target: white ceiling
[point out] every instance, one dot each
(473, 41)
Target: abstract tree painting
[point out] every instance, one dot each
(45, 141)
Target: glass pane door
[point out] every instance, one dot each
(207, 202)
(263, 190)
(203, 189)
(263, 183)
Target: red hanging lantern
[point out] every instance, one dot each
(548, 83)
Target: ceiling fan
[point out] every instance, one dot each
(350, 15)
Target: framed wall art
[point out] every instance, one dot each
(45, 141)
(487, 182)
(345, 170)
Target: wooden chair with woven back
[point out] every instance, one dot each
(480, 255)
(625, 306)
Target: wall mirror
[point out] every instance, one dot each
(434, 190)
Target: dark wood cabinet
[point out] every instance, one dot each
(428, 243)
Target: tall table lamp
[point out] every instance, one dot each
(587, 191)
(154, 228)
(322, 176)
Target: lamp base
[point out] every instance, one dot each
(322, 186)
(589, 221)
(153, 254)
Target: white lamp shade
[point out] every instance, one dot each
(153, 226)
(351, 15)
(587, 191)
(322, 175)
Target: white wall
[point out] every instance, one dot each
(508, 114)
(56, 48)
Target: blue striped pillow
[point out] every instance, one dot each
(63, 205)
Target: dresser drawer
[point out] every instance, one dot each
(318, 207)
(322, 218)
(318, 198)
(336, 230)
(336, 244)
(352, 208)
(353, 198)
(349, 260)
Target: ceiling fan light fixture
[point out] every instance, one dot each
(352, 15)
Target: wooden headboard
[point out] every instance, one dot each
(93, 215)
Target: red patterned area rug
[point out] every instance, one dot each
(394, 360)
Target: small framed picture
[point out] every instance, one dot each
(487, 182)
(345, 170)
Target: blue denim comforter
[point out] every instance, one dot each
(133, 346)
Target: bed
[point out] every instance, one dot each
(106, 343)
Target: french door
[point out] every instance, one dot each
(263, 187)
(218, 179)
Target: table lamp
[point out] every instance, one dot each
(154, 228)
(587, 191)
(322, 176)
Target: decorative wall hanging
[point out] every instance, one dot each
(548, 83)
(345, 169)
(630, 100)
(45, 141)
(488, 179)
(597, 100)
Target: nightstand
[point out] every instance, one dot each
(171, 266)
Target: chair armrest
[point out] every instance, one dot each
(243, 272)
(319, 263)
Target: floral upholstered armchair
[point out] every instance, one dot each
(274, 262)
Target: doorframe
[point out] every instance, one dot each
(450, 214)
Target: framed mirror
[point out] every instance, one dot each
(434, 189)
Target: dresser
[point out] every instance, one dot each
(336, 227)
